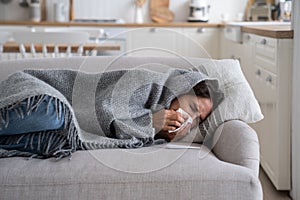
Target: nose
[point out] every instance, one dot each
(196, 120)
(206, 108)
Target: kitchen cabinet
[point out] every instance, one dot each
(267, 65)
(243, 52)
(272, 85)
(153, 41)
(201, 42)
(229, 48)
(185, 41)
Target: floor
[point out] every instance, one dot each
(270, 193)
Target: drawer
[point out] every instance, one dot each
(265, 50)
(266, 63)
(248, 38)
(265, 85)
(265, 41)
(266, 53)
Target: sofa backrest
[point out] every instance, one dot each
(98, 64)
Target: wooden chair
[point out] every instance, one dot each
(94, 35)
(55, 44)
(4, 36)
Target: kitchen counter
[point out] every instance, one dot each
(273, 31)
(95, 24)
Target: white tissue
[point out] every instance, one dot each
(189, 120)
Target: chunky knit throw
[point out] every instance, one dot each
(105, 110)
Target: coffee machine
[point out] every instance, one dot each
(199, 11)
(260, 11)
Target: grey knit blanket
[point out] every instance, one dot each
(105, 110)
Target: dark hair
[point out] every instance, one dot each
(207, 89)
(201, 90)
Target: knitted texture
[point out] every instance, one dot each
(105, 110)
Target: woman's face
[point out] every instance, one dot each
(197, 107)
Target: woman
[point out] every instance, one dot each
(56, 112)
(197, 104)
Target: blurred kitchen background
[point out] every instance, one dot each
(267, 48)
(124, 10)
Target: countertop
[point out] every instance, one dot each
(150, 24)
(274, 31)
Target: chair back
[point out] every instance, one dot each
(4, 36)
(94, 33)
(51, 41)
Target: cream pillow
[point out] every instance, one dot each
(239, 102)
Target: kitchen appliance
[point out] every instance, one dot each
(138, 15)
(199, 11)
(261, 10)
(35, 11)
(5, 1)
(285, 10)
(23, 3)
(60, 12)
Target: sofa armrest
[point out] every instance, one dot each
(236, 142)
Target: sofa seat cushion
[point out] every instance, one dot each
(157, 173)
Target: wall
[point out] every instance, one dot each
(125, 9)
(12, 11)
(296, 107)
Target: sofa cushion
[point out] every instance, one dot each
(108, 174)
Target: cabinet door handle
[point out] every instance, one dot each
(236, 58)
(263, 41)
(228, 30)
(258, 72)
(248, 37)
(200, 30)
(106, 35)
(269, 79)
(152, 30)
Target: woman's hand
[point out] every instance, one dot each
(173, 136)
(167, 120)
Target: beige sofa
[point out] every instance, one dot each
(228, 171)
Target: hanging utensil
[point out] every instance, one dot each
(23, 3)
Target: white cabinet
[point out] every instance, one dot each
(153, 41)
(202, 42)
(270, 74)
(235, 50)
(187, 42)
(267, 65)
(229, 48)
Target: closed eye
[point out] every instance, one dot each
(194, 108)
(201, 120)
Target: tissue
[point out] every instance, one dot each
(188, 121)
